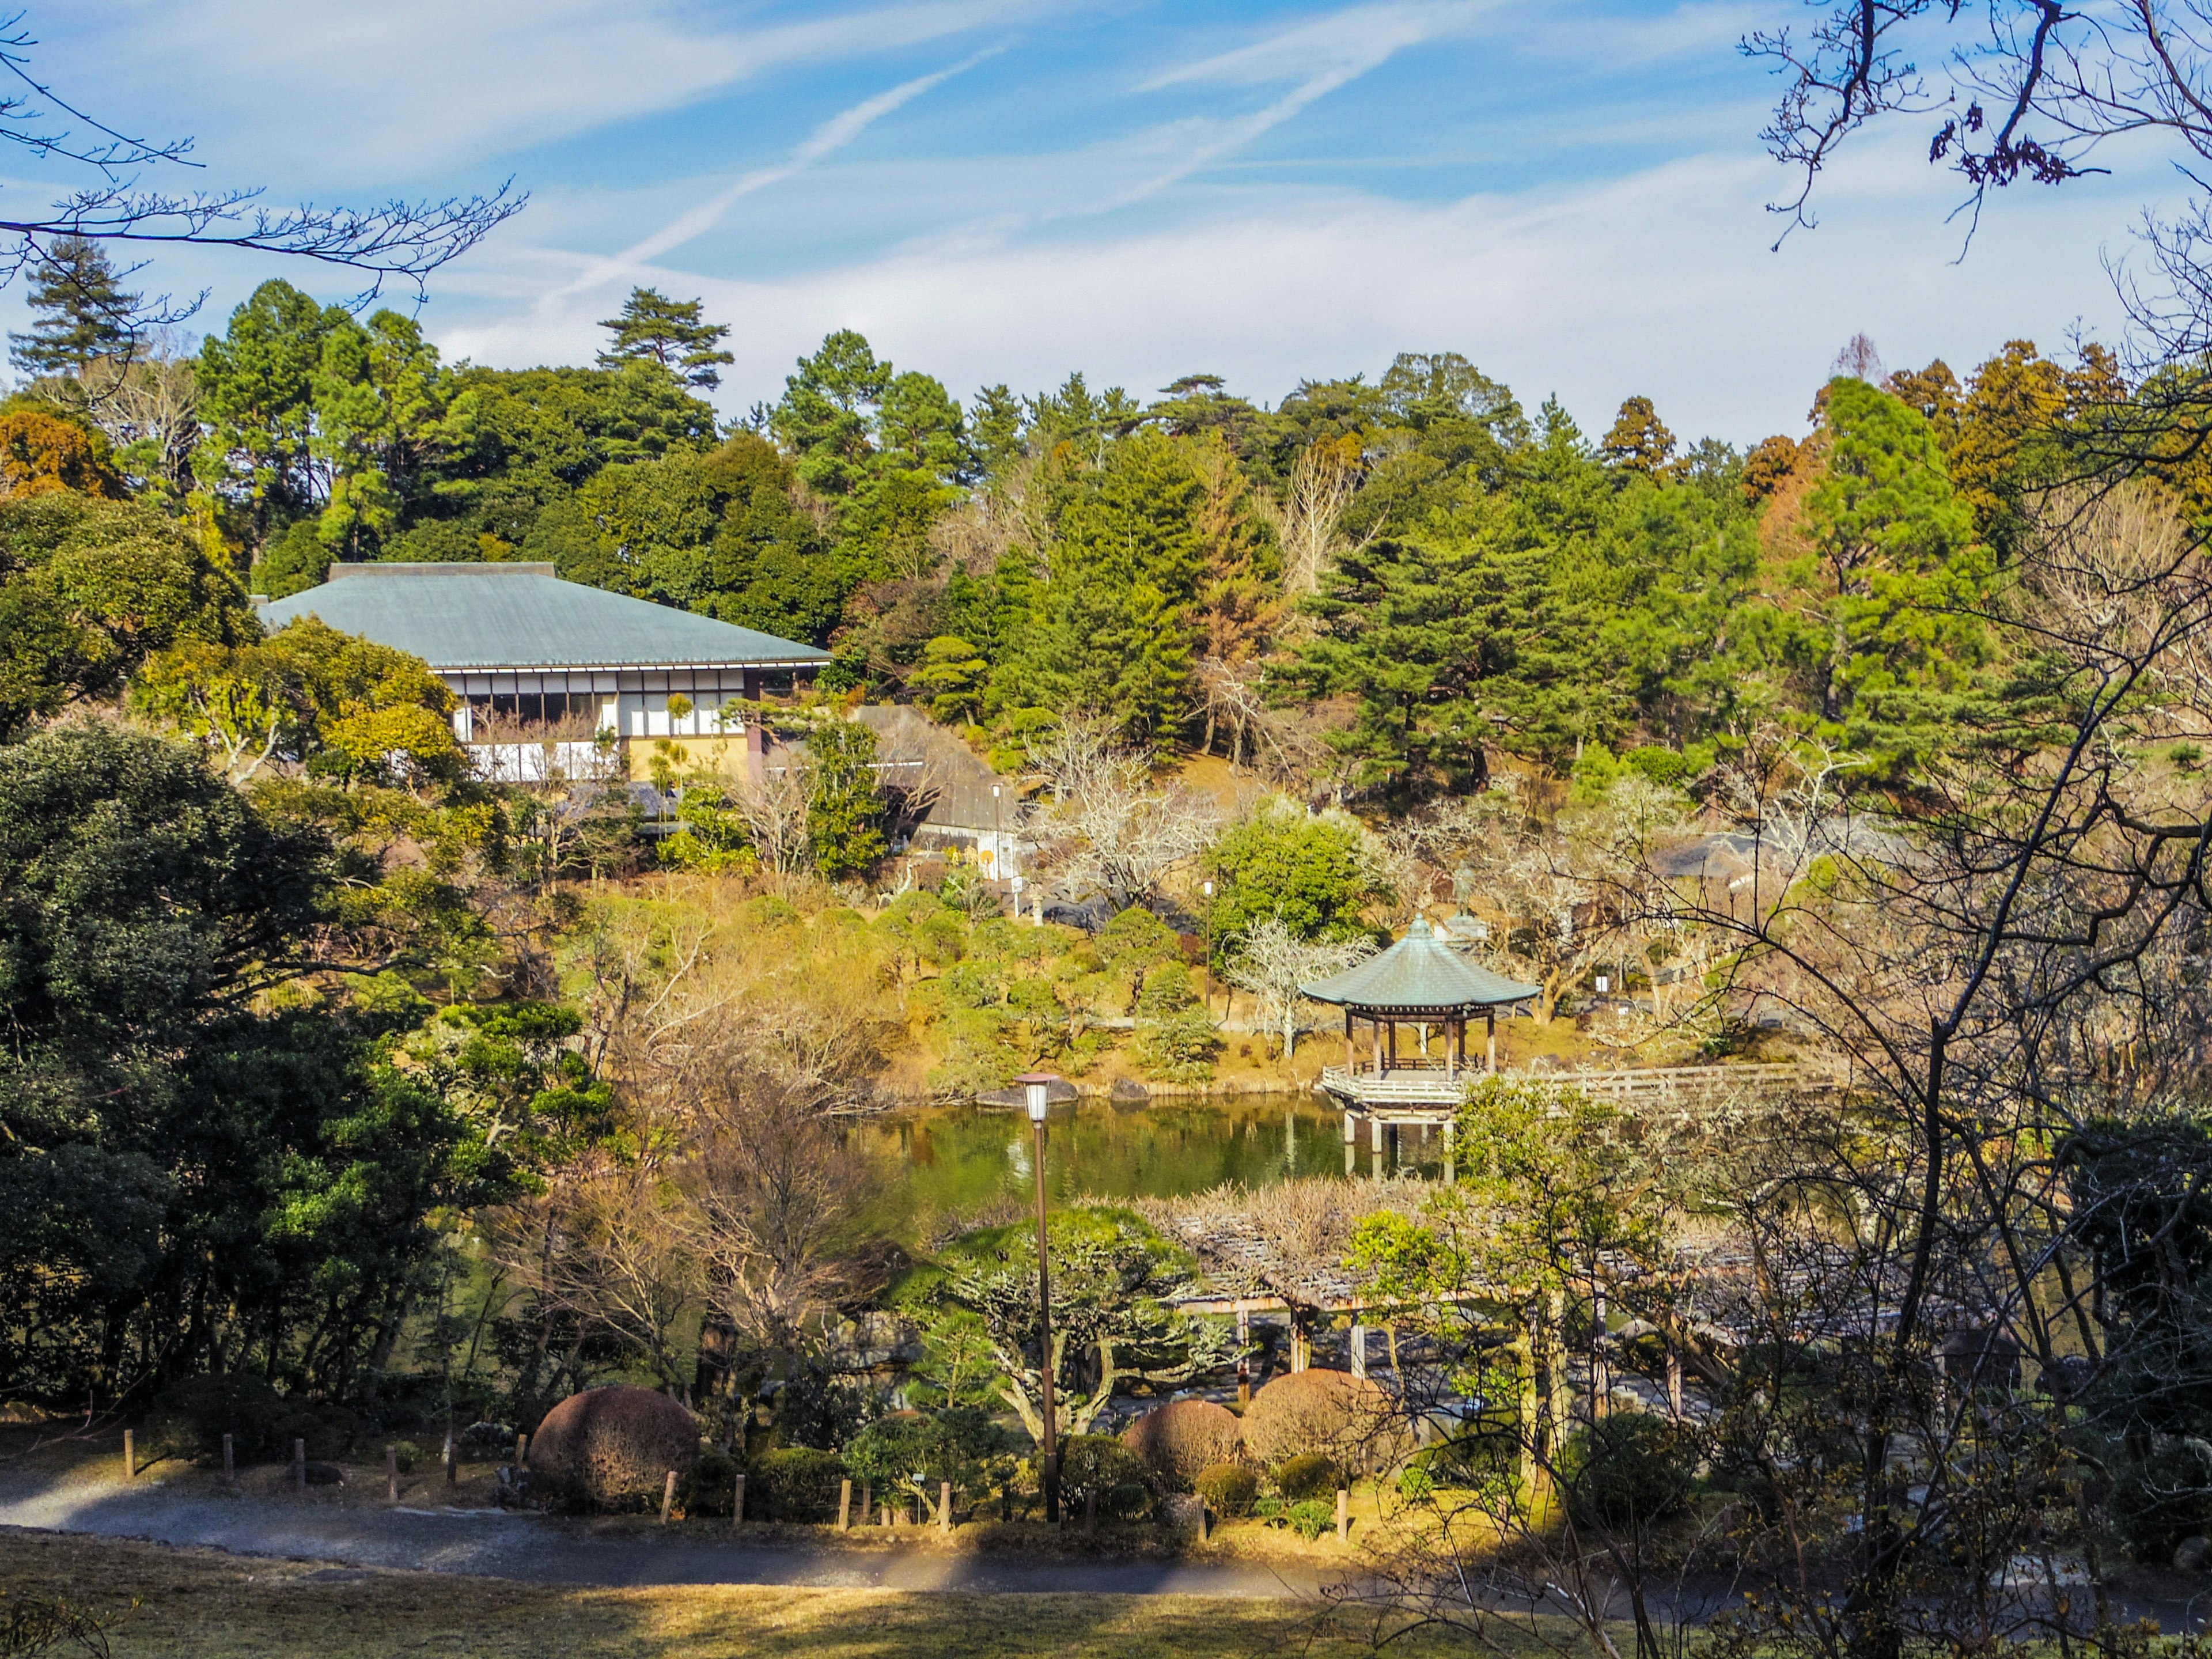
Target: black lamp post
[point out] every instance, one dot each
(1038, 1089)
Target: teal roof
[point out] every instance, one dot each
(1420, 974)
(522, 615)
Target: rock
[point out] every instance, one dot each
(1128, 1089)
(2192, 1554)
(1181, 1510)
(325, 1474)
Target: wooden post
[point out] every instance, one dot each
(300, 1464)
(1243, 1355)
(1452, 1048)
(844, 1506)
(1374, 1032)
(1359, 1349)
(229, 1460)
(392, 1473)
(945, 1506)
(1205, 1521)
(667, 1496)
(130, 1455)
(522, 1449)
(868, 1501)
(1675, 1381)
(1351, 1059)
(1451, 1174)
(737, 1499)
(1343, 1515)
(1491, 1019)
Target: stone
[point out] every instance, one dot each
(1128, 1089)
(2192, 1554)
(325, 1474)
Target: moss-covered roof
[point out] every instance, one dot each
(1418, 974)
(523, 617)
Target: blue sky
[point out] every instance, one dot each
(1571, 192)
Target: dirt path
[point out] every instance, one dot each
(502, 1544)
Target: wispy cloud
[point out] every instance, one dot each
(1318, 57)
(399, 85)
(832, 136)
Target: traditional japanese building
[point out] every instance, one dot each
(1422, 982)
(554, 674)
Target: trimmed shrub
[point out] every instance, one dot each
(611, 1449)
(1343, 1417)
(710, 1486)
(190, 1419)
(329, 1431)
(1178, 1440)
(1416, 1485)
(1230, 1487)
(1310, 1474)
(797, 1483)
(1627, 1468)
(1099, 1463)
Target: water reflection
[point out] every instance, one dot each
(964, 1159)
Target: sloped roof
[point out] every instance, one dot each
(1420, 974)
(522, 615)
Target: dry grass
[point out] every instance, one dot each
(204, 1605)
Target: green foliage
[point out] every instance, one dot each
(1312, 871)
(1627, 1470)
(88, 590)
(916, 1452)
(172, 1144)
(80, 312)
(1311, 1517)
(1309, 1474)
(953, 674)
(709, 1488)
(1099, 1467)
(795, 1483)
(190, 1417)
(671, 333)
(1175, 1039)
(1230, 1488)
(844, 800)
(1112, 1279)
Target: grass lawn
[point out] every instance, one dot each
(204, 1605)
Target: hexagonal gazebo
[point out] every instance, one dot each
(1420, 981)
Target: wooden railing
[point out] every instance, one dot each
(1431, 1085)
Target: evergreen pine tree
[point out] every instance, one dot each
(670, 332)
(83, 313)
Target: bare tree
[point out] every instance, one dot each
(402, 240)
(1274, 964)
(1108, 828)
(774, 808)
(1320, 489)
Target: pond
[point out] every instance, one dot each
(963, 1160)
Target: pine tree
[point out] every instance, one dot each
(670, 332)
(83, 311)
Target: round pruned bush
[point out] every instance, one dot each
(794, 1483)
(1343, 1417)
(1311, 1517)
(611, 1449)
(1310, 1474)
(1230, 1488)
(1181, 1439)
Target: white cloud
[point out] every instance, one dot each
(1657, 284)
(409, 86)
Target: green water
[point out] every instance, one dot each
(965, 1160)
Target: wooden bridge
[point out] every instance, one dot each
(1431, 1092)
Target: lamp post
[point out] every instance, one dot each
(998, 838)
(1037, 1089)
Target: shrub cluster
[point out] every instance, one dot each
(1181, 1439)
(796, 1483)
(1345, 1417)
(1230, 1488)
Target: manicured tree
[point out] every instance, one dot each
(654, 328)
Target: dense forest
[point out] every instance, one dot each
(345, 1085)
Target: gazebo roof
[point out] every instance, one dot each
(1418, 974)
